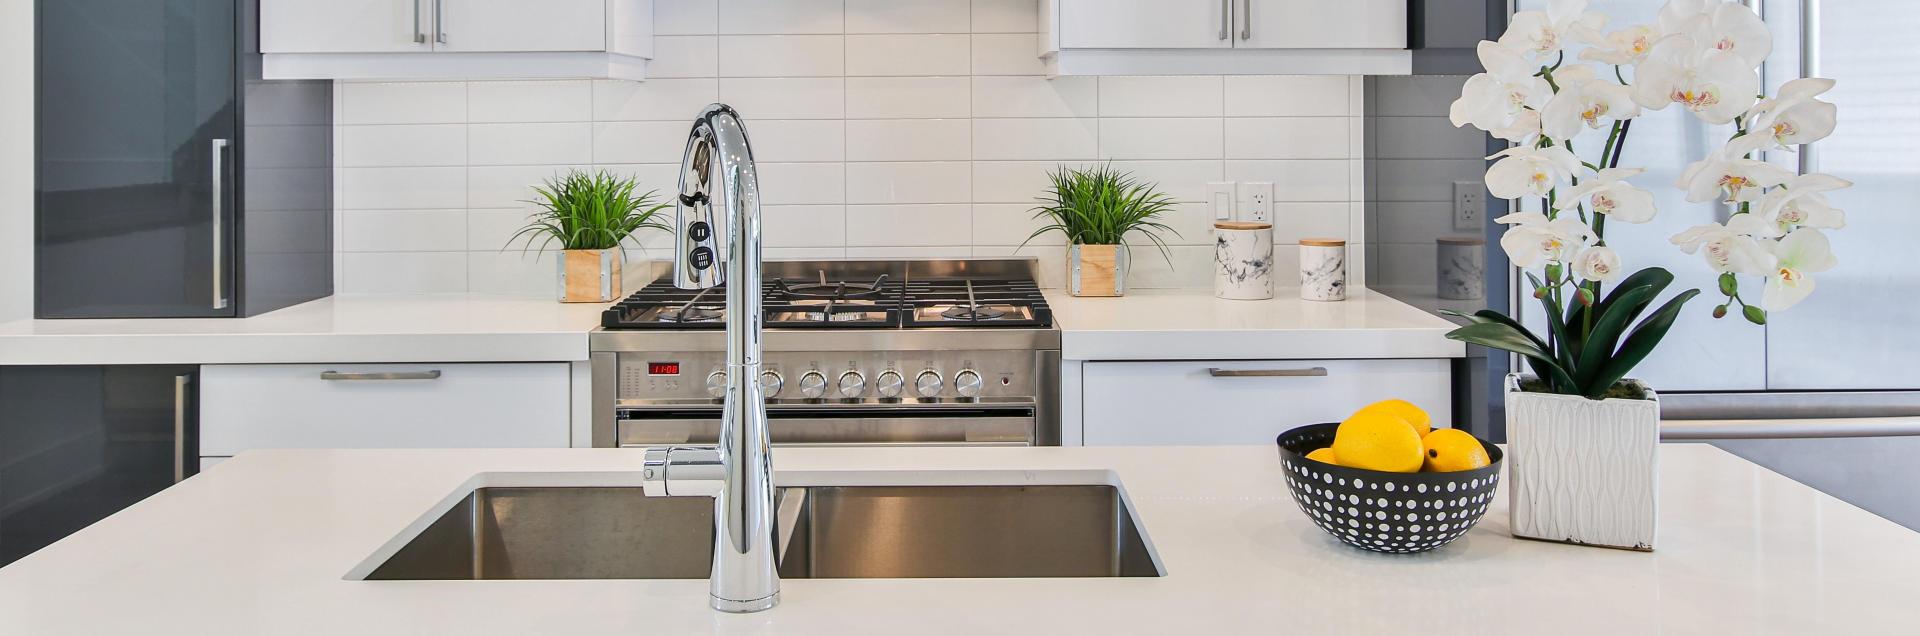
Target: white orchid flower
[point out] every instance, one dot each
(1713, 84)
(1726, 249)
(1729, 174)
(1794, 116)
(1528, 171)
(1544, 33)
(1720, 25)
(1536, 240)
(1800, 203)
(1624, 47)
(1597, 263)
(1591, 103)
(1608, 193)
(1504, 100)
(1798, 257)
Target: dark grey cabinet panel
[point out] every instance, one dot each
(80, 443)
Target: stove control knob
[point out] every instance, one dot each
(967, 383)
(717, 384)
(889, 384)
(813, 385)
(852, 384)
(770, 383)
(927, 384)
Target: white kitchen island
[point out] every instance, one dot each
(261, 545)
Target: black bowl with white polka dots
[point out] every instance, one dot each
(1385, 512)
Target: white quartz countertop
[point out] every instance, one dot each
(260, 545)
(1167, 324)
(345, 328)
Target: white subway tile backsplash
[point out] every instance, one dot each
(907, 16)
(909, 225)
(898, 55)
(534, 101)
(907, 140)
(1161, 138)
(907, 97)
(1288, 138)
(653, 100)
(1035, 97)
(1186, 96)
(1029, 139)
(782, 55)
(403, 145)
(786, 98)
(909, 182)
(883, 128)
(511, 144)
(781, 16)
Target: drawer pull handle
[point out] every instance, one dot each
(387, 375)
(1315, 372)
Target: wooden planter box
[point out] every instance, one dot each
(1097, 270)
(589, 276)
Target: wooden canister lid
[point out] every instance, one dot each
(1241, 225)
(1460, 240)
(1321, 242)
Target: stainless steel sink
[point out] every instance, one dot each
(824, 532)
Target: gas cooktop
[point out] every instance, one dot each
(821, 302)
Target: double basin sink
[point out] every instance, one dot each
(822, 532)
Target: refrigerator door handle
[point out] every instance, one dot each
(180, 385)
(1809, 67)
(219, 223)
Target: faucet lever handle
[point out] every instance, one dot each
(678, 471)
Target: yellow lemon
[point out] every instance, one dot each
(1422, 423)
(1324, 456)
(1451, 449)
(1378, 441)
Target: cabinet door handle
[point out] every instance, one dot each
(381, 375)
(219, 181)
(439, 25)
(1246, 19)
(180, 385)
(419, 36)
(1314, 372)
(1226, 18)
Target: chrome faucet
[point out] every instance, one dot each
(710, 249)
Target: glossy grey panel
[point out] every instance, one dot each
(284, 230)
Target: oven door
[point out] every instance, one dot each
(831, 424)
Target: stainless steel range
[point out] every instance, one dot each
(930, 352)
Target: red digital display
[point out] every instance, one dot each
(663, 368)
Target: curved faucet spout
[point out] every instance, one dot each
(716, 241)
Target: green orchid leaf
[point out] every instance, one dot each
(1501, 336)
(1639, 344)
(1601, 342)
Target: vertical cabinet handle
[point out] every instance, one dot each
(1226, 18)
(180, 385)
(219, 152)
(1246, 19)
(439, 25)
(419, 36)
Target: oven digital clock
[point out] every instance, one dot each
(663, 368)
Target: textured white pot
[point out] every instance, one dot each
(1582, 471)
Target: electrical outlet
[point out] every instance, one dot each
(1469, 205)
(1220, 200)
(1259, 197)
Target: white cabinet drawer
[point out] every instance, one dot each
(249, 406)
(1245, 402)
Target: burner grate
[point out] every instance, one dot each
(822, 304)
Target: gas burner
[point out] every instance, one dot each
(692, 314)
(832, 291)
(973, 312)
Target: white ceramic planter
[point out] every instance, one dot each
(1583, 471)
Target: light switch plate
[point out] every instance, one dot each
(1469, 205)
(1220, 200)
(1259, 197)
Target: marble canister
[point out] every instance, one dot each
(1462, 265)
(1243, 260)
(1323, 269)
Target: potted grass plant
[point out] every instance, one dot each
(589, 216)
(1097, 209)
(1583, 437)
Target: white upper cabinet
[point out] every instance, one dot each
(1225, 37)
(455, 39)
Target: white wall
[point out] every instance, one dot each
(16, 160)
(883, 128)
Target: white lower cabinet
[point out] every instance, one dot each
(517, 405)
(1245, 401)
